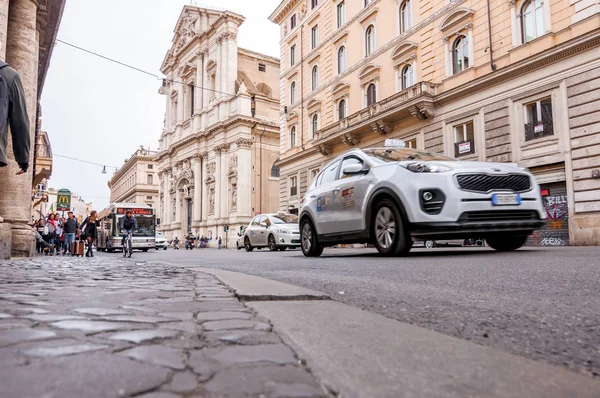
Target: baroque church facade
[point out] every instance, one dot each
(217, 152)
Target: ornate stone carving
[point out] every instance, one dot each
(233, 196)
(233, 162)
(303, 9)
(222, 148)
(285, 29)
(380, 127)
(204, 156)
(228, 36)
(324, 150)
(211, 200)
(243, 143)
(210, 168)
(349, 140)
(174, 205)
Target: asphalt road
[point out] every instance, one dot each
(543, 304)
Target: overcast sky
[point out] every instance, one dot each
(98, 111)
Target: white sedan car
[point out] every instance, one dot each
(391, 196)
(275, 231)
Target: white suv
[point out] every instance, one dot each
(391, 195)
(275, 231)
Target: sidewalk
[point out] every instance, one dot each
(88, 327)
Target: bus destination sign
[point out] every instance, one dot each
(136, 211)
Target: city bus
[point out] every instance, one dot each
(109, 235)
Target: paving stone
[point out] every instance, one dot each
(203, 367)
(13, 336)
(184, 316)
(235, 324)
(184, 382)
(186, 341)
(28, 310)
(10, 360)
(268, 381)
(221, 315)
(101, 311)
(90, 326)
(191, 327)
(139, 308)
(243, 337)
(159, 355)
(4, 316)
(137, 319)
(16, 296)
(66, 350)
(52, 317)
(34, 302)
(159, 394)
(279, 354)
(97, 375)
(139, 336)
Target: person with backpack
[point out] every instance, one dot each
(127, 225)
(70, 227)
(13, 113)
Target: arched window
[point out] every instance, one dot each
(292, 93)
(532, 20)
(341, 59)
(460, 54)
(293, 137)
(407, 77)
(342, 109)
(314, 124)
(370, 40)
(405, 16)
(315, 77)
(275, 172)
(371, 94)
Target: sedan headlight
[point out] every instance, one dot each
(282, 231)
(427, 168)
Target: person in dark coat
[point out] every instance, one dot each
(90, 228)
(14, 114)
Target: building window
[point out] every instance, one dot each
(313, 174)
(262, 67)
(370, 40)
(293, 137)
(538, 119)
(293, 22)
(464, 139)
(342, 109)
(460, 55)
(292, 55)
(275, 172)
(314, 3)
(293, 186)
(150, 179)
(411, 144)
(292, 93)
(407, 77)
(532, 20)
(341, 56)
(148, 197)
(341, 14)
(314, 36)
(314, 124)
(405, 16)
(150, 167)
(371, 94)
(315, 78)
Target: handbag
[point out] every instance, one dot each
(46, 229)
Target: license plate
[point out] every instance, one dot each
(506, 200)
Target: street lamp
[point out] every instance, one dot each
(104, 170)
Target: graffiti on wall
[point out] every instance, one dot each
(556, 230)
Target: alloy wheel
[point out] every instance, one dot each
(385, 227)
(306, 237)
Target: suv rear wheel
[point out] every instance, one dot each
(247, 245)
(506, 242)
(390, 235)
(308, 238)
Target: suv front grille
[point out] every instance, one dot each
(499, 215)
(486, 183)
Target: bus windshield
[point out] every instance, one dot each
(145, 225)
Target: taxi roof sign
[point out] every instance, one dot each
(395, 143)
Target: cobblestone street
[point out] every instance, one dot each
(98, 327)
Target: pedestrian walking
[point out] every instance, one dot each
(39, 226)
(219, 243)
(89, 228)
(70, 227)
(13, 113)
(60, 238)
(50, 231)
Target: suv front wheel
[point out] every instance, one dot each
(390, 235)
(308, 238)
(506, 243)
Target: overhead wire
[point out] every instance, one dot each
(138, 69)
(83, 161)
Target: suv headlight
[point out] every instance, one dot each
(427, 168)
(282, 231)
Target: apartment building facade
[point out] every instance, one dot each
(137, 180)
(515, 81)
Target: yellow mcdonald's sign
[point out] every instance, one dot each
(63, 199)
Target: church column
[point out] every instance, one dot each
(232, 62)
(204, 215)
(225, 182)
(199, 82)
(167, 206)
(244, 155)
(218, 182)
(22, 53)
(197, 215)
(177, 206)
(180, 106)
(220, 69)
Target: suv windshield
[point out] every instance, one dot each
(285, 219)
(380, 155)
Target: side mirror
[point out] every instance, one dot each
(264, 224)
(354, 169)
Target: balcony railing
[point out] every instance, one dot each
(396, 101)
(538, 130)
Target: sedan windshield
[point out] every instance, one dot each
(285, 219)
(381, 155)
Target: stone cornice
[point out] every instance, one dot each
(282, 10)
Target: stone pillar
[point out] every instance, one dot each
(224, 182)
(204, 215)
(232, 62)
(177, 206)
(220, 69)
(22, 47)
(3, 28)
(196, 214)
(218, 181)
(198, 106)
(244, 170)
(167, 205)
